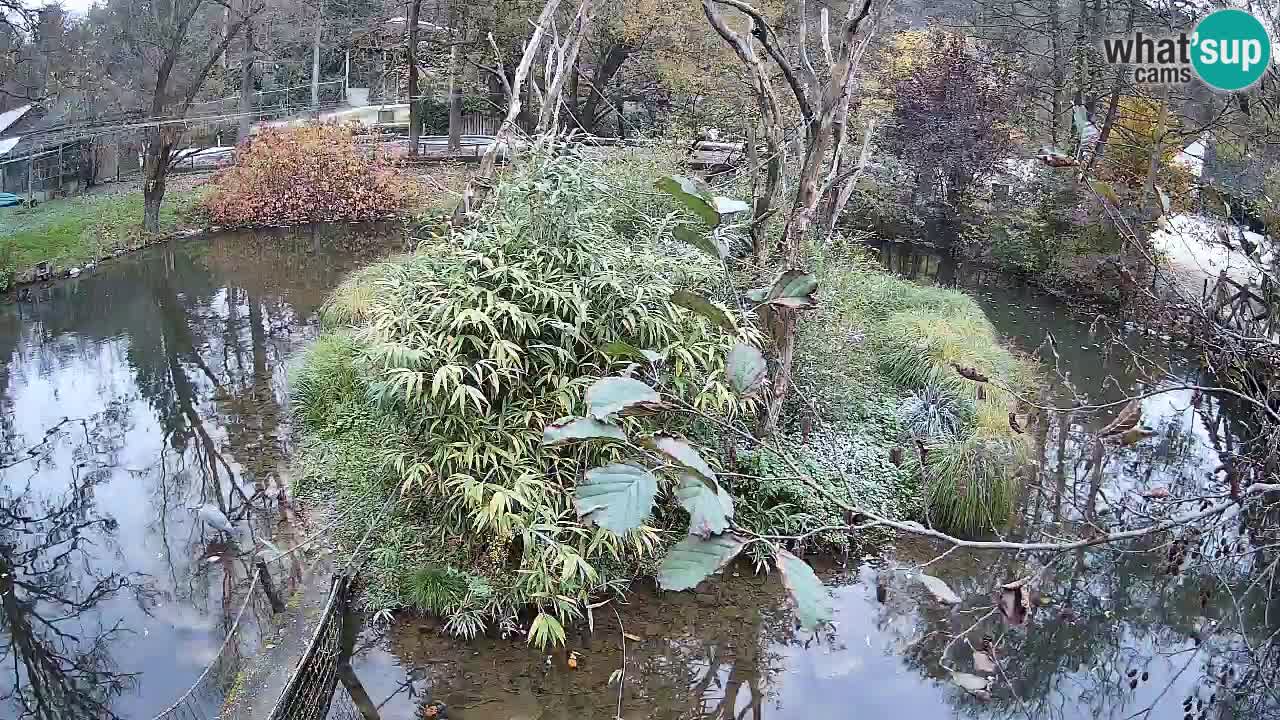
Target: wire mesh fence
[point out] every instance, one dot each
(310, 692)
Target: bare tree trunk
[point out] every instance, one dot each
(549, 115)
(844, 183)
(246, 86)
(1057, 74)
(415, 97)
(455, 102)
(480, 185)
(820, 109)
(315, 60)
(155, 171)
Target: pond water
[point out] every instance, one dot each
(168, 367)
(142, 404)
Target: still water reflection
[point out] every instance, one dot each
(129, 398)
(1113, 633)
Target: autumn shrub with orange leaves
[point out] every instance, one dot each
(312, 173)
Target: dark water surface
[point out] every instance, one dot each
(129, 396)
(1112, 634)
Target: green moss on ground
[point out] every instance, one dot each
(72, 231)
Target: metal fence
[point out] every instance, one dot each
(318, 688)
(270, 103)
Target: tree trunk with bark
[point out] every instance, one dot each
(315, 60)
(155, 171)
(415, 96)
(604, 74)
(455, 102)
(566, 61)
(246, 86)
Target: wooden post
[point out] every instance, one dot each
(277, 605)
(346, 73)
(350, 632)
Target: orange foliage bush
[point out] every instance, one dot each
(311, 173)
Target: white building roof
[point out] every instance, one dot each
(10, 117)
(7, 144)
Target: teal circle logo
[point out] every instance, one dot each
(1230, 50)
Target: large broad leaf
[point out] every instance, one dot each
(726, 205)
(570, 429)
(704, 307)
(694, 559)
(793, 289)
(940, 590)
(683, 453)
(745, 368)
(758, 295)
(691, 195)
(710, 507)
(615, 394)
(699, 239)
(813, 602)
(616, 497)
(1105, 190)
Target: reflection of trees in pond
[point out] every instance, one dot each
(55, 660)
(1129, 631)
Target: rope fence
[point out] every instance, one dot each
(322, 686)
(209, 688)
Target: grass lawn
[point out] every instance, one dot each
(73, 231)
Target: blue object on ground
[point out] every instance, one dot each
(7, 199)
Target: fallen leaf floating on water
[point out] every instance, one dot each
(1016, 601)
(972, 684)
(1136, 435)
(1128, 419)
(970, 373)
(1011, 607)
(1013, 423)
(983, 663)
(633, 638)
(940, 590)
